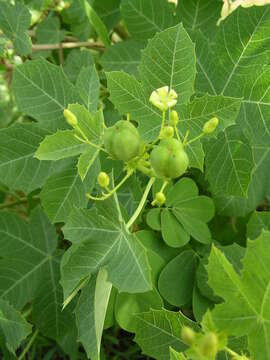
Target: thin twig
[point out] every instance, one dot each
(65, 45)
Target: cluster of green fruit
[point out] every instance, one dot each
(165, 158)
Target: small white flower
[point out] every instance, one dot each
(175, 2)
(163, 98)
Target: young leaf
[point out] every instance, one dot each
(177, 279)
(90, 313)
(174, 355)
(42, 90)
(14, 22)
(246, 301)
(101, 240)
(187, 212)
(158, 330)
(88, 87)
(173, 67)
(60, 145)
(13, 326)
(144, 18)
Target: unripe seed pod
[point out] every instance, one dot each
(122, 141)
(174, 118)
(160, 198)
(187, 335)
(210, 125)
(168, 159)
(209, 344)
(103, 179)
(167, 132)
(70, 118)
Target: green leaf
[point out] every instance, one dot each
(173, 67)
(90, 313)
(26, 252)
(48, 32)
(158, 330)
(246, 301)
(96, 22)
(91, 125)
(259, 221)
(129, 96)
(19, 169)
(13, 325)
(88, 87)
(14, 22)
(101, 240)
(86, 161)
(193, 116)
(108, 11)
(200, 304)
(63, 192)
(174, 355)
(48, 314)
(125, 56)
(60, 145)
(233, 152)
(185, 214)
(42, 90)
(128, 305)
(245, 33)
(198, 15)
(77, 61)
(177, 279)
(144, 18)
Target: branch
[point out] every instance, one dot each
(65, 45)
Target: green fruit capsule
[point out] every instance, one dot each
(168, 159)
(210, 126)
(174, 119)
(160, 198)
(167, 132)
(103, 179)
(70, 118)
(209, 344)
(122, 141)
(187, 335)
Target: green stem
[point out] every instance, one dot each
(141, 204)
(195, 139)
(106, 196)
(28, 346)
(231, 352)
(163, 121)
(86, 141)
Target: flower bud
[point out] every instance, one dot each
(103, 179)
(210, 126)
(70, 118)
(174, 119)
(160, 198)
(167, 132)
(209, 345)
(187, 335)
